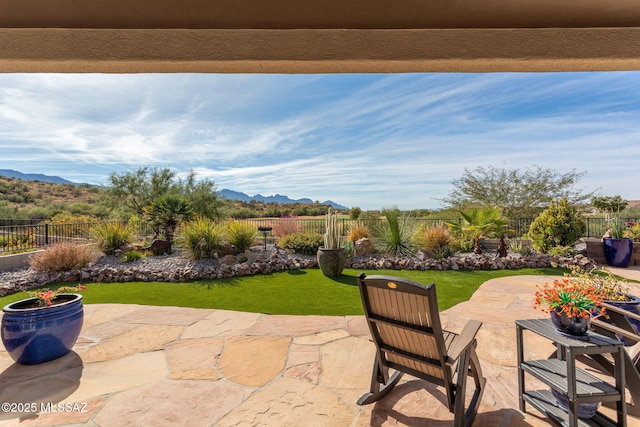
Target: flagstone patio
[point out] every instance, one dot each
(159, 366)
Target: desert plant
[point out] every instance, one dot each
(395, 236)
(482, 222)
(358, 231)
(432, 239)
(611, 287)
(166, 213)
(565, 251)
(131, 256)
(302, 243)
(558, 225)
(201, 237)
(241, 235)
(112, 235)
(285, 226)
(332, 237)
(63, 257)
(517, 246)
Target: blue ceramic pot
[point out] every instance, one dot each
(40, 334)
(617, 252)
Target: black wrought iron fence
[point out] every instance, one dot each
(18, 238)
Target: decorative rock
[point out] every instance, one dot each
(364, 246)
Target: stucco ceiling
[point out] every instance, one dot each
(296, 36)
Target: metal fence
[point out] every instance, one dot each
(18, 238)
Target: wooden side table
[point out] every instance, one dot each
(562, 375)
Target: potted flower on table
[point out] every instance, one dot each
(43, 327)
(571, 305)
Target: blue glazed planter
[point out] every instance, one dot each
(617, 252)
(41, 334)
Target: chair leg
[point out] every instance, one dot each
(470, 365)
(379, 388)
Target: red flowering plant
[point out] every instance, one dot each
(573, 299)
(45, 296)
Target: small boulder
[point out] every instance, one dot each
(364, 246)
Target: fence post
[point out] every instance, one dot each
(46, 234)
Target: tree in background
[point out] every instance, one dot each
(129, 193)
(609, 205)
(519, 193)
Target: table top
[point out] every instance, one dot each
(545, 328)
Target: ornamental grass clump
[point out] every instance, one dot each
(572, 299)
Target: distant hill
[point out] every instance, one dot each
(277, 198)
(229, 194)
(35, 177)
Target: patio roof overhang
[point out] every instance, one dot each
(323, 36)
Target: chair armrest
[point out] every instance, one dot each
(613, 330)
(620, 310)
(463, 340)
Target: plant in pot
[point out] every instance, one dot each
(332, 256)
(43, 327)
(617, 247)
(614, 291)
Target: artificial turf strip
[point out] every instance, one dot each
(300, 292)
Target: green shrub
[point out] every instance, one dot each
(202, 237)
(63, 257)
(302, 243)
(395, 236)
(241, 235)
(111, 236)
(131, 256)
(517, 246)
(565, 251)
(558, 225)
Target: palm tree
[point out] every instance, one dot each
(166, 212)
(483, 222)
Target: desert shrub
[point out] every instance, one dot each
(517, 246)
(558, 225)
(395, 236)
(462, 243)
(131, 256)
(566, 251)
(431, 239)
(302, 243)
(286, 226)
(202, 237)
(241, 235)
(63, 257)
(111, 236)
(357, 232)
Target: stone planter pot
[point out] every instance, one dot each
(617, 252)
(332, 261)
(40, 334)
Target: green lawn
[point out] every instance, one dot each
(290, 292)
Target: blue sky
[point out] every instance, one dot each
(367, 140)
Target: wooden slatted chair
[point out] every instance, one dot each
(616, 324)
(404, 321)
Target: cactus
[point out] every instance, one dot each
(332, 236)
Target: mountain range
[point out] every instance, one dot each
(229, 194)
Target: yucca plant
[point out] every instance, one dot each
(395, 236)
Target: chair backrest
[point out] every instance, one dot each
(405, 324)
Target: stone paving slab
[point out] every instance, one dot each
(159, 366)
